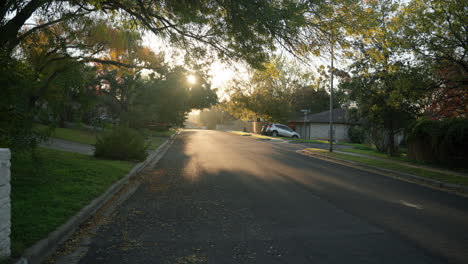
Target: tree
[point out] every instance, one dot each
(385, 85)
(240, 29)
(213, 116)
(436, 32)
(389, 111)
(168, 98)
(277, 92)
(44, 39)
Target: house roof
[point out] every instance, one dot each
(339, 117)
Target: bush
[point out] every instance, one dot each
(439, 141)
(357, 134)
(121, 143)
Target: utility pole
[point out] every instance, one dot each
(306, 127)
(331, 95)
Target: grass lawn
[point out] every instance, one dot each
(47, 191)
(155, 142)
(374, 153)
(300, 140)
(166, 133)
(319, 141)
(388, 164)
(83, 136)
(156, 138)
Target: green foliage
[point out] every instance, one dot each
(441, 141)
(357, 134)
(389, 90)
(213, 116)
(16, 82)
(121, 143)
(60, 40)
(276, 93)
(435, 32)
(168, 99)
(242, 29)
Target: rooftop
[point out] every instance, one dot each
(339, 117)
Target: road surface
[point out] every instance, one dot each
(216, 197)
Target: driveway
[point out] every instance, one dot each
(216, 197)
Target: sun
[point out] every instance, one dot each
(192, 79)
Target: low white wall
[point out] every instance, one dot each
(321, 131)
(5, 206)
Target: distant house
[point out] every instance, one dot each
(317, 126)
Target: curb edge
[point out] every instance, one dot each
(46, 246)
(450, 187)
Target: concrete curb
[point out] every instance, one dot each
(43, 248)
(456, 188)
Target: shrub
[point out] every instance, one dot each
(357, 134)
(440, 141)
(121, 143)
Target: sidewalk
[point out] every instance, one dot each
(70, 146)
(407, 164)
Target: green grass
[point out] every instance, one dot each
(320, 141)
(48, 190)
(155, 142)
(166, 133)
(156, 138)
(374, 153)
(301, 140)
(388, 164)
(83, 136)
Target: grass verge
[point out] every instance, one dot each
(388, 164)
(166, 133)
(83, 136)
(49, 189)
(155, 142)
(154, 139)
(374, 153)
(319, 141)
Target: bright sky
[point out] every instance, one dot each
(220, 72)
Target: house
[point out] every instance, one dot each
(317, 126)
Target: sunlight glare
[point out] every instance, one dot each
(192, 79)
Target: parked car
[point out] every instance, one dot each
(280, 130)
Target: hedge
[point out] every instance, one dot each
(442, 142)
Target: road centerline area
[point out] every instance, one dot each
(405, 203)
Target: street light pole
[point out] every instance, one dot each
(331, 96)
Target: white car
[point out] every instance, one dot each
(281, 130)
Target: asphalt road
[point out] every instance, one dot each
(216, 197)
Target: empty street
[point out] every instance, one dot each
(217, 197)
